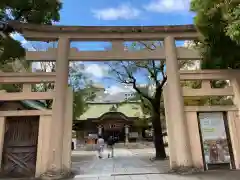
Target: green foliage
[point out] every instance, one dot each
(141, 122)
(10, 87)
(82, 89)
(203, 101)
(36, 12)
(79, 105)
(208, 101)
(233, 29)
(10, 67)
(6, 50)
(218, 21)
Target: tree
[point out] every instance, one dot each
(77, 80)
(44, 66)
(79, 105)
(201, 101)
(81, 88)
(36, 12)
(218, 23)
(151, 93)
(15, 66)
(212, 100)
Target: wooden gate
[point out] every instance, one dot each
(20, 147)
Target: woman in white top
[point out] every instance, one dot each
(100, 146)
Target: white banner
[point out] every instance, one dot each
(212, 125)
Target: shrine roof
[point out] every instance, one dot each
(101, 29)
(132, 110)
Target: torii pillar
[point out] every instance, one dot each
(55, 163)
(176, 106)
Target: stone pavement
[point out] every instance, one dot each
(134, 165)
(124, 162)
(214, 176)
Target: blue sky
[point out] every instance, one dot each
(125, 12)
(116, 13)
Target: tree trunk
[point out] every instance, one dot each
(157, 126)
(158, 137)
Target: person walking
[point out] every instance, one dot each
(110, 145)
(100, 146)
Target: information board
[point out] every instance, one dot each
(214, 138)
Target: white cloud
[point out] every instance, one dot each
(96, 70)
(24, 42)
(166, 6)
(18, 37)
(36, 66)
(124, 11)
(15, 36)
(118, 89)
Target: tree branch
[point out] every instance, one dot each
(120, 76)
(162, 63)
(162, 82)
(134, 83)
(140, 92)
(147, 46)
(155, 73)
(128, 78)
(158, 94)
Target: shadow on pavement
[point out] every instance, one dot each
(216, 175)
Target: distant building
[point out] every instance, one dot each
(111, 114)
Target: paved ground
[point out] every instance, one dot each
(134, 165)
(124, 162)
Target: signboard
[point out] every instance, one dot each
(115, 126)
(93, 136)
(214, 138)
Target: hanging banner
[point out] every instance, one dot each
(214, 138)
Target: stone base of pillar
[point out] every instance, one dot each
(186, 170)
(57, 174)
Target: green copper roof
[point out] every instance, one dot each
(33, 104)
(97, 110)
(30, 104)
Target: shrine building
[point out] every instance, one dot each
(115, 115)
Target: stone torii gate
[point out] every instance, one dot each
(116, 35)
